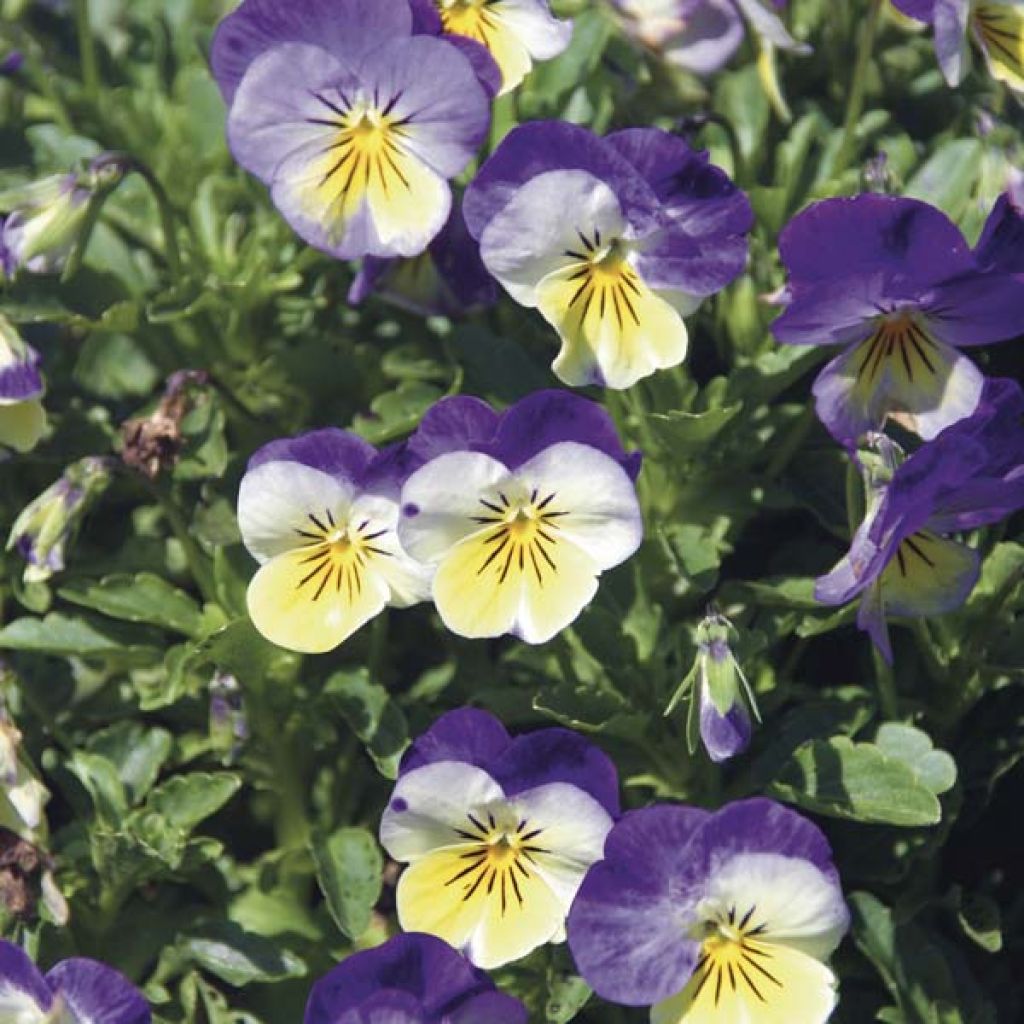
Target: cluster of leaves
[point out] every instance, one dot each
(216, 799)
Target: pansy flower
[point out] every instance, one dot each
(901, 561)
(77, 991)
(712, 918)
(410, 979)
(319, 513)
(895, 284)
(22, 418)
(996, 26)
(447, 279)
(645, 229)
(42, 224)
(496, 833)
(518, 514)
(353, 122)
(515, 32)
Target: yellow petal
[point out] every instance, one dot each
(614, 329)
(22, 425)
(498, 580)
(999, 30)
(929, 575)
(495, 912)
(297, 605)
(769, 984)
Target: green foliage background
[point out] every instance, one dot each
(224, 874)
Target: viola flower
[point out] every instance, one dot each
(497, 833)
(901, 561)
(902, 294)
(646, 229)
(1001, 245)
(712, 918)
(354, 123)
(515, 32)
(722, 700)
(447, 279)
(519, 514)
(996, 26)
(75, 990)
(318, 512)
(42, 224)
(22, 417)
(411, 979)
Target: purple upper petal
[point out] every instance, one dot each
(454, 424)
(517, 765)
(490, 1008)
(540, 146)
(97, 993)
(871, 234)
(426, 19)
(487, 71)
(332, 451)
(348, 29)
(422, 967)
(977, 308)
(922, 10)
(724, 736)
(21, 380)
(18, 972)
(629, 926)
(1001, 246)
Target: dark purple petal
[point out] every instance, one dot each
(420, 966)
(11, 64)
(1001, 246)
(674, 260)
(724, 736)
(629, 926)
(466, 734)
(921, 10)
(545, 418)
(540, 146)
(426, 19)
(372, 272)
(487, 71)
(873, 234)
(97, 993)
(489, 1008)
(333, 451)
(977, 309)
(21, 380)
(348, 29)
(19, 973)
(454, 424)
(761, 826)
(557, 755)
(456, 255)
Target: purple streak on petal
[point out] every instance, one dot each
(724, 736)
(333, 451)
(540, 146)
(761, 826)
(489, 1008)
(1001, 246)
(630, 922)
(95, 992)
(349, 29)
(420, 965)
(921, 10)
(558, 755)
(18, 972)
(977, 309)
(872, 234)
(21, 381)
(454, 424)
(467, 734)
(547, 417)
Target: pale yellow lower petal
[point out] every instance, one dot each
(300, 609)
(999, 30)
(22, 425)
(772, 984)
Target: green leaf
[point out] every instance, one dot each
(186, 800)
(935, 769)
(686, 432)
(567, 995)
(141, 598)
(349, 868)
(947, 179)
(71, 636)
(239, 957)
(857, 781)
(372, 715)
(137, 753)
(981, 921)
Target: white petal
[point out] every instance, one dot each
(602, 515)
(276, 500)
(440, 500)
(430, 804)
(544, 36)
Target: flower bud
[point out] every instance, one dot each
(47, 525)
(22, 419)
(44, 220)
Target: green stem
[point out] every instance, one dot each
(790, 444)
(928, 649)
(887, 696)
(198, 564)
(858, 87)
(166, 212)
(854, 497)
(87, 51)
(92, 216)
(378, 647)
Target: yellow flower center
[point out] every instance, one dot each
(337, 552)
(523, 535)
(901, 345)
(605, 281)
(468, 18)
